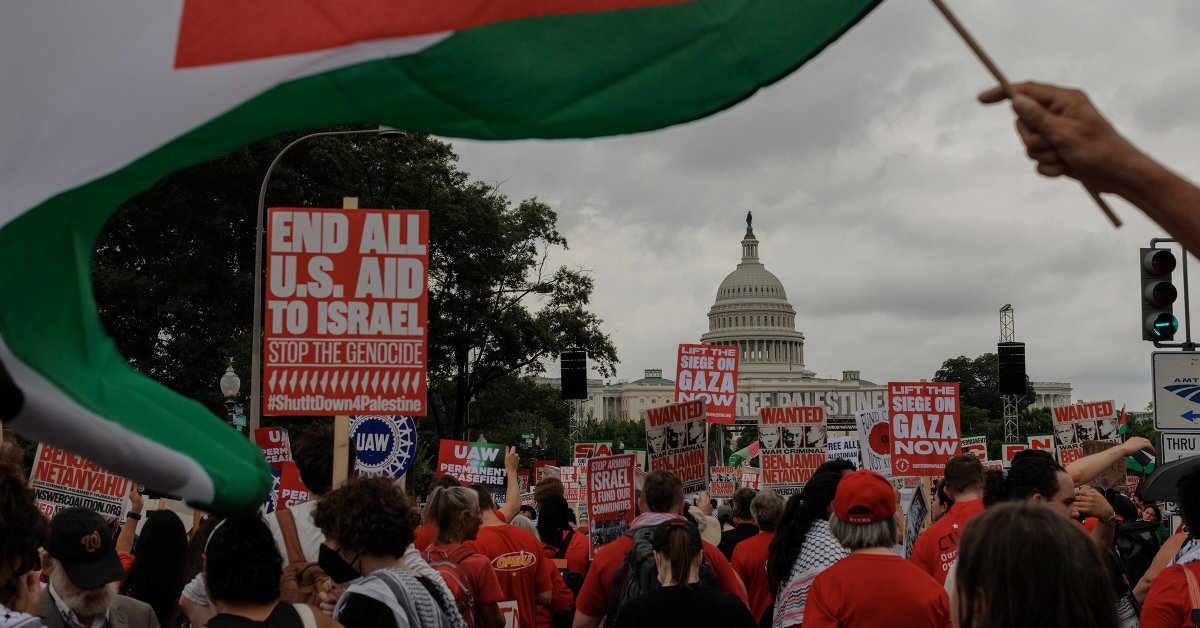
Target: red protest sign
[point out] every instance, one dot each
(722, 481)
(346, 312)
(709, 372)
(677, 439)
(925, 426)
(1041, 441)
(975, 446)
(275, 445)
(793, 445)
(292, 490)
(592, 449)
(60, 480)
(610, 493)
(573, 479)
(471, 463)
(1008, 450)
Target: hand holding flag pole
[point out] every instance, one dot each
(1008, 89)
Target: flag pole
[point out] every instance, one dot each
(1008, 90)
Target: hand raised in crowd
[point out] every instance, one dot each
(1092, 503)
(705, 504)
(1136, 444)
(136, 501)
(511, 459)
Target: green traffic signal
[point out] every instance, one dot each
(1158, 294)
(1163, 325)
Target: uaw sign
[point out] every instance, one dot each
(383, 445)
(346, 311)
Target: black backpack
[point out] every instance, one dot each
(638, 574)
(573, 579)
(1136, 545)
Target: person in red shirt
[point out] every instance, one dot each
(1169, 603)
(661, 500)
(750, 556)
(559, 537)
(516, 556)
(872, 586)
(937, 548)
(455, 512)
(512, 494)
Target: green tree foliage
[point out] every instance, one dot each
(173, 272)
(982, 410)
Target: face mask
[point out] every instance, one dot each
(332, 564)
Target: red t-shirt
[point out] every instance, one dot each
(597, 587)
(516, 556)
(750, 563)
(424, 536)
(481, 578)
(937, 548)
(561, 601)
(876, 590)
(1168, 603)
(579, 552)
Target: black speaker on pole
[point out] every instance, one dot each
(574, 373)
(1011, 359)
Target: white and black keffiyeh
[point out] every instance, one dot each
(817, 553)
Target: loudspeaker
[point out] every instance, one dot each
(574, 373)
(1011, 360)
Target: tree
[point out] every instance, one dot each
(173, 272)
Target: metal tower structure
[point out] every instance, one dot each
(1008, 331)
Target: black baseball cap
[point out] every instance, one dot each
(662, 533)
(82, 541)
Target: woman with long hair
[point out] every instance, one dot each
(560, 539)
(22, 530)
(159, 567)
(1021, 564)
(803, 547)
(682, 600)
(455, 512)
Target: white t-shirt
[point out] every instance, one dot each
(310, 535)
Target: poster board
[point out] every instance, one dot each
(677, 441)
(60, 479)
(346, 312)
(925, 426)
(792, 446)
(1041, 442)
(610, 498)
(843, 448)
(722, 482)
(709, 373)
(875, 440)
(1008, 450)
(588, 449)
(749, 477)
(1078, 422)
(914, 517)
(975, 445)
(472, 463)
(1112, 476)
(384, 445)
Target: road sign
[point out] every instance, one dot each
(1176, 446)
(1176, 378)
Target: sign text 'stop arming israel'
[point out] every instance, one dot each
(471, 463)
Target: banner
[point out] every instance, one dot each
(346, 311)
(843, 448)
(574, 486)
(275, 445)
(677, 439)
(471, 463)
(975, 445)
(586, 450)
(1043, 442)
(1076, 423)
(1113, 476)
(61, 480)
(925, 426)
(749, 477)
(610, 498)
(793, 446)
(709, 373)
(722, 481)
(383, 445)
(875, 440)
(1008, 450)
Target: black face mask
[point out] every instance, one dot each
(332, 564)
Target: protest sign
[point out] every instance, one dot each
(1044, 442)
(749, 477)
(975, 445)
(292, 490)
(641, 456)
(383, 445)
(993, 465)
(610, 498)
(914, 517)
(574, 488)
(1008, 450)
(585, 450)
(722, 481)
(925, 426)
(1113, 476)
(346, 311)
(843, 448)
(793, 446)
(500, 494)
(275, 445)
(471, 463)
(61, 480)
(538, 465)
(875, 440)
(709, 373)
(677, 439)
(1078, 422)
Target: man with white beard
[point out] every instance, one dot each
(81, 562)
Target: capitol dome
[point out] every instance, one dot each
(751, 311)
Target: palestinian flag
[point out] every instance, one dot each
(101, 99)
(744, 455)
(1124, 425)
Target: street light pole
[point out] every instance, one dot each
(256, 334)
(230, 385)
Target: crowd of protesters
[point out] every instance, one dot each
(1033, 545)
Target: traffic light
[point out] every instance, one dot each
(1158, 293)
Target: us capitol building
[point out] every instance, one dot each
(752, 312)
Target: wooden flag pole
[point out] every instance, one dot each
(1008, 89)
(341, 422)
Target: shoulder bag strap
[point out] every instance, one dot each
(307, 619)
(1193, 587)
(291, 538)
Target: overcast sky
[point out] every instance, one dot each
(899, 214)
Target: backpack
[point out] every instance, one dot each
(638, 574)
(1136, 545)
(302, 580)
(447, 566)
(573, 579)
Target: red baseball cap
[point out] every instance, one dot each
(864, 497)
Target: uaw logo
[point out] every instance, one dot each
(91, 542)
(514, 561)
(384, 445)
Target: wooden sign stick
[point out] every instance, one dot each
(1008, 90)
(341, 422)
